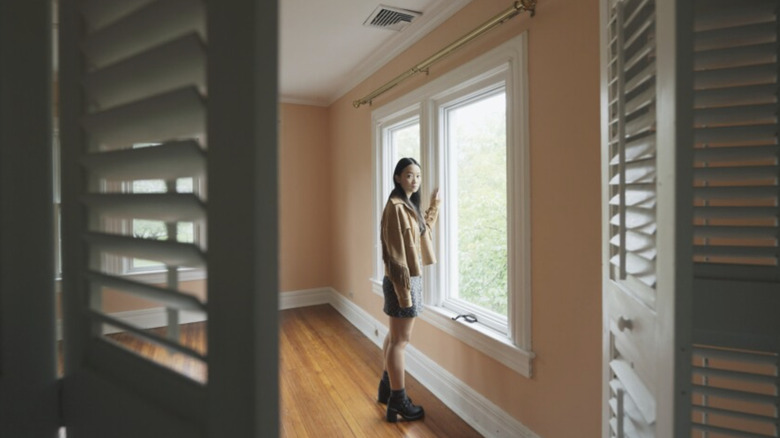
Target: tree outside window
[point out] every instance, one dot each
(477, 200)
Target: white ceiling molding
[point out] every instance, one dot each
(430, 20)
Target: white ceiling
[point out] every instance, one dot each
(324, 49)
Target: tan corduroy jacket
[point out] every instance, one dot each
(403, 247)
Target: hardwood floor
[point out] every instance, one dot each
(328, 382)
(329, 373)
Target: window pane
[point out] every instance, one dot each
(476, 147)
(184, 185)
(405, 141)
(147, 229)
(185, 232)
(149, 186)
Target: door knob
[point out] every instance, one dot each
(624, 323)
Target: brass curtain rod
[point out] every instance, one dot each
(518, 7)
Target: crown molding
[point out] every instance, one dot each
(441, 11)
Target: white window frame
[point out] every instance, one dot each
(510, 344)
(489, 84)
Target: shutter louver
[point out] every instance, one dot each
(632, 167)
(736, 208)
(631, 404)
(735, 393)
(165, 67)
(145, 91)
(735, 133)
(158, 22)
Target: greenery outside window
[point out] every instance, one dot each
(475, 208)
(147, 229)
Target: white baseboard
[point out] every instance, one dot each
(305, 297)
(151, 318)
(479, 412)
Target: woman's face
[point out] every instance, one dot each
(409, 179)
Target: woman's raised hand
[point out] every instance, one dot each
(435, 195)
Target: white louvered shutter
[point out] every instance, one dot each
(708, 318)
(736, 211)
(631, 196)
(147, 94)
(142, 90)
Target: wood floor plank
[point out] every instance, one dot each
(328, 379)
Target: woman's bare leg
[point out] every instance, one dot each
(385, 346)
(399, 335)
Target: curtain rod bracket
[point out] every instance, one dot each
(518, 7)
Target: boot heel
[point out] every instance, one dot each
(392, 417)
(399, 404)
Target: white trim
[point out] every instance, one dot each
(321, 102)
(161, 277)
(482, 338)
(151, 318)
(476, 410)
(519, 229)
(491, 80)
(479, 412)
(304, 298)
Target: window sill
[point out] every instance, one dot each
(478, 336)
(376, 286)
(161, 277)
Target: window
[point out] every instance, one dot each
(404, 139)
(467, 129)
(475, 211)
(148, 229)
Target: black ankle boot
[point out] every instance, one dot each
(384, 389)
(399, 403)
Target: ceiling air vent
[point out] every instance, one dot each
(387, 17)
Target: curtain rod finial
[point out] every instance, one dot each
(528, 5)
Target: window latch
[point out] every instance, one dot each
(468, 317)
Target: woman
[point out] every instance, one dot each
(406, 247)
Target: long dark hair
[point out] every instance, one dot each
(412, 201)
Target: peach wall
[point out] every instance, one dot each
(305, 198)
(563, 397)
